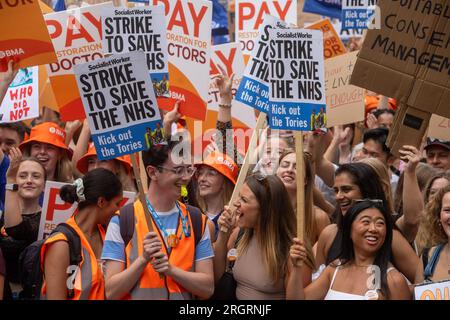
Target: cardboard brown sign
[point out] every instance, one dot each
(408, 58)
(439, 128)
(345, 103)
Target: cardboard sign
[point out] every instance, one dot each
(439, 128)
(24, 35)
(296, 74)
(332, 44)
(329, 8)
(21, 101)
(189, 48)
(408, 57)
(433, 291)
(56, 211)
(119, 102)
(140, 29)
(356, 14)
(254, 88)
(345, 103)
(250, 16)
(76, 36)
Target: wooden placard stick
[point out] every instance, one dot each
(245, 166)
(300, 185)
(141, 193)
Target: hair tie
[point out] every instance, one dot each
(80, 189)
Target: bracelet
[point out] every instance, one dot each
(226, 106)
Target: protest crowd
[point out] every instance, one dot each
(124, 173)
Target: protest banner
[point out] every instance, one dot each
(250, 16)
(433, 291)
(345, 103)
(407, 58)
(355, 14)
(332, 44)
(346, 35)
(253, 90)
(120, 104)
(296, 75)
(24, 36)
(46, 95)
(329, 8)
(56, 211)
(304, 18)
(439, 128)
(21, 101)
(189, 48)
(139, 29)
(76, 36)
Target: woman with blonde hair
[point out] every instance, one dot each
(265, 215)
(315, 219)
(436, 259)
(47, 144)
(425, 235)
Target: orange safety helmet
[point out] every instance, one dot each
(223, 164)
(50, 133)
(82, 164)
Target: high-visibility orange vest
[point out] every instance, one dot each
(150, 285)
(89, 282)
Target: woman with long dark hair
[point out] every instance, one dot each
(363, 270)
(268, 222)
(359, 181)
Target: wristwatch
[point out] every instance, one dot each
(12, 186)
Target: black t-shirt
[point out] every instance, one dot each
(17, 239)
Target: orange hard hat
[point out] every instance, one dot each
(82, 164)
(223, 164)
(50, 133)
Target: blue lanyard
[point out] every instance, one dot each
(184, 223)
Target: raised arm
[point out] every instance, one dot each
(82, 145)
(13, 214)
(6, 78)
(413, 205)
(404, 257)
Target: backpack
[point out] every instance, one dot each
(31, 273)
(127, 222)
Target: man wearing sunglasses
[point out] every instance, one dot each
(174, 261)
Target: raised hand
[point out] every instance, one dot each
(297, 253)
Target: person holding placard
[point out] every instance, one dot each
(315, 219)
(99, 194)
(436, 260)
(362, 270)
(265, 215)
(47, 144)
(6, 78)
(359, 181)
(170, 254)
(25, 182)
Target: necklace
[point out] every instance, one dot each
(172, 239)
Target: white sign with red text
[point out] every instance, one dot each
(21, 101)
(77, 38)
(250, 15)
(189, 49)
(56, 211)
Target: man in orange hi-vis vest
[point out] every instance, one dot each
(175, 261)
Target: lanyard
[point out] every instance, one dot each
(184, 223)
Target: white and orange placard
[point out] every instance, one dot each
(189, 49)
(23, 36)
(76, 36)
(332, 44)
(21, 101)
(433, 291)
(56, 211)
(250, 15)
